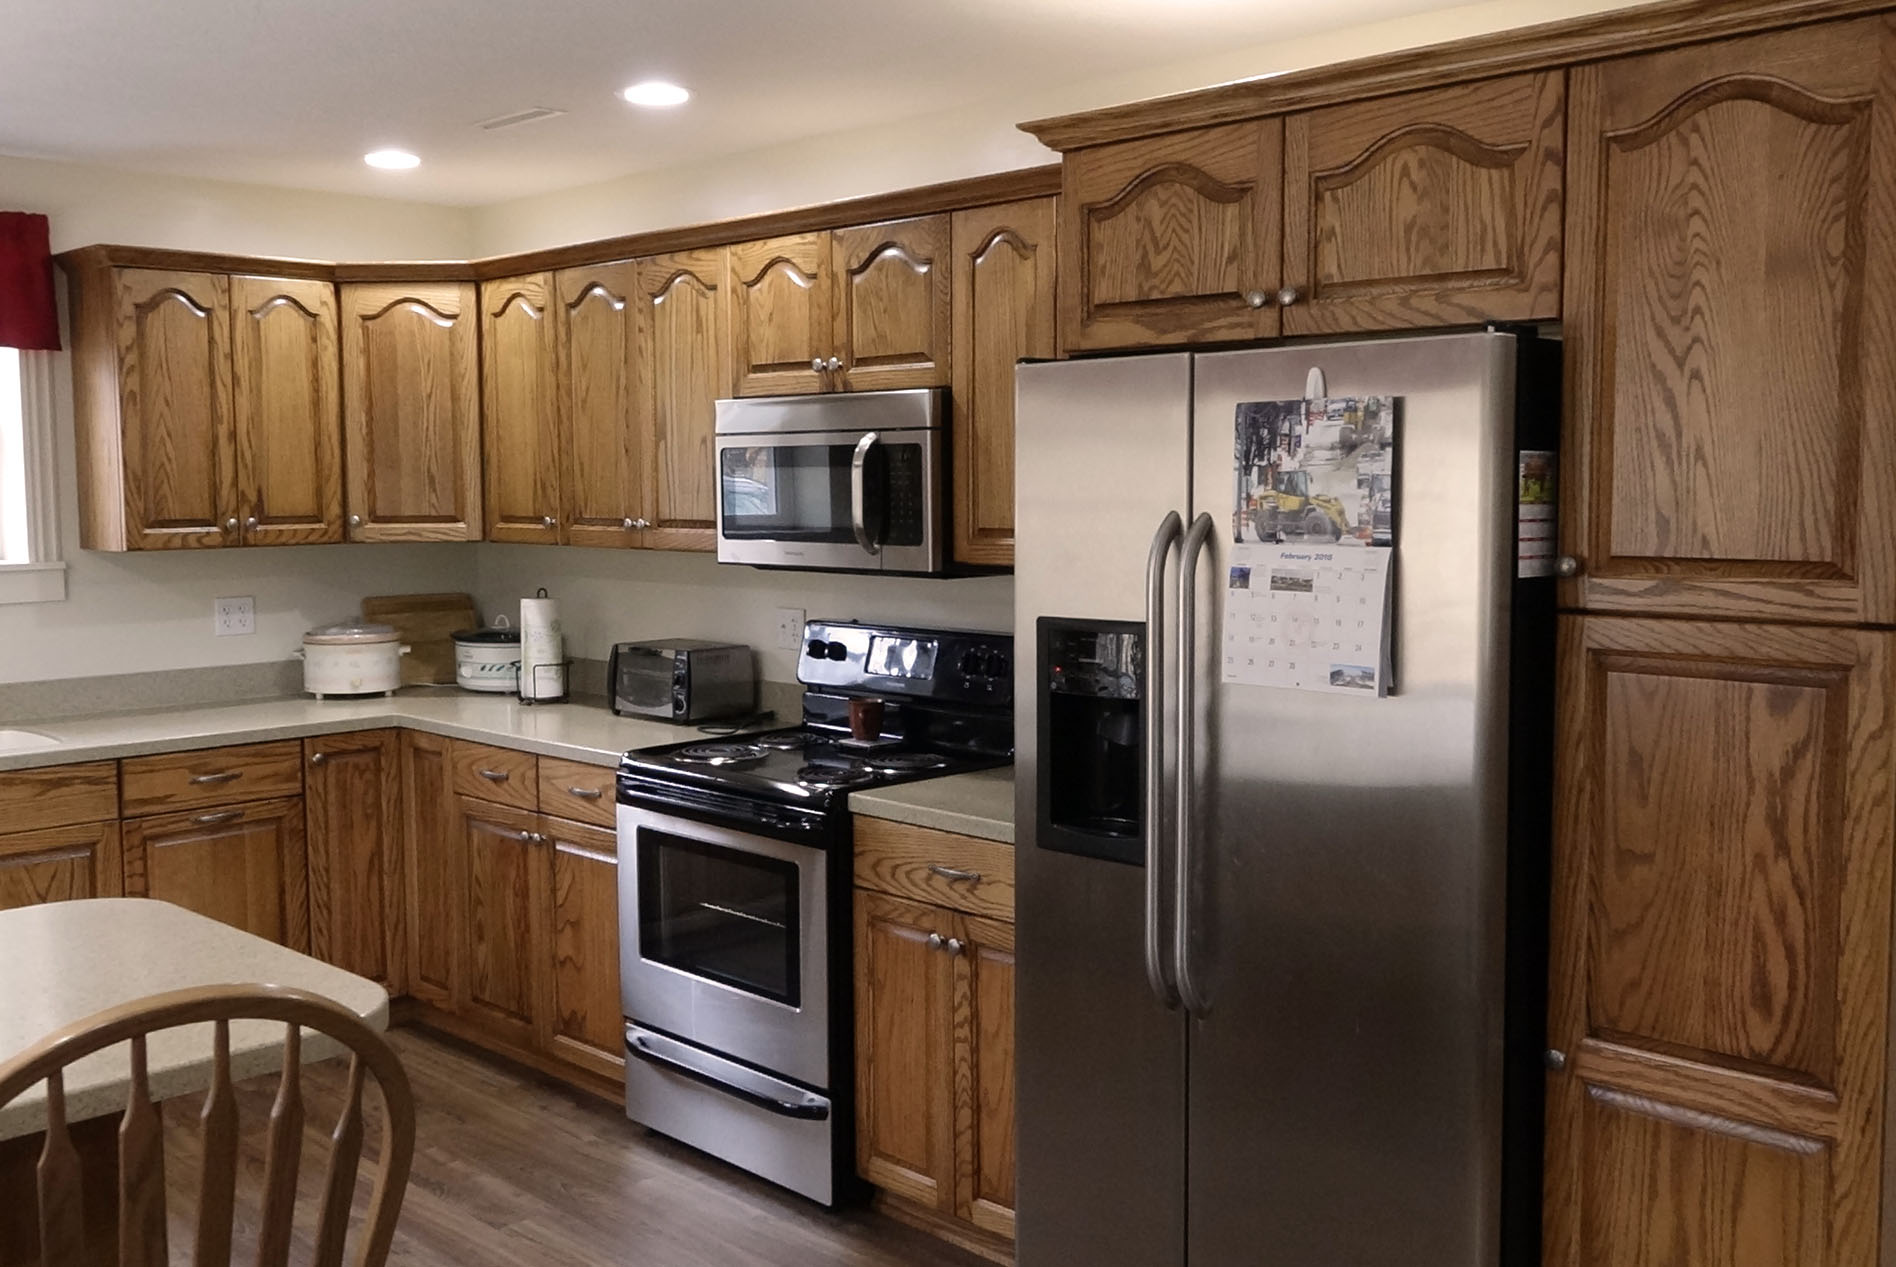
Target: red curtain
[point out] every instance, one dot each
(29, 319)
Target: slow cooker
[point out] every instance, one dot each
(488, 659)
(352, 658)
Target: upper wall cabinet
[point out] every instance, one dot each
(601, 451)
(1430, 208)
(1003, 312)
(683, 367)
(520, 409)
(856, 309)
(206, 409)
(411, 408)
(1731, 354)
(1172, 239)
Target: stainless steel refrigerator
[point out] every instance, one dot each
(1281, 953)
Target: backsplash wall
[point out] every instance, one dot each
(609, 596)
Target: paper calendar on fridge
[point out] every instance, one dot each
(1317, 619)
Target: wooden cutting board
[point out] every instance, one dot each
(426, 623)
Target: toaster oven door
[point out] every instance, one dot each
(644, 683)
(865, 501)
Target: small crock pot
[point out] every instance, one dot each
(352, 658)
(488, 659)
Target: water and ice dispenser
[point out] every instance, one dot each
(1091, 711)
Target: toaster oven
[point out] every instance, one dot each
(682, 680)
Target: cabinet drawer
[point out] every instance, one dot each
(575, 790)
(500, 775)
(214, 776)
(59, 795)
(938, 867)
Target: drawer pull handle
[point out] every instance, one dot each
(586, 793)
(953, 874)
(494, 776)
(220, 816)
(222, 776)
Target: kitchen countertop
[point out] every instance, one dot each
(978, 804)
(68, 960)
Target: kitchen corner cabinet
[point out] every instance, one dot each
(1003, 283)
(682, 364)
(206, 409)
(857, 309)
(1720, 943)
(520, 410)
(935, 1027)
(353, 820)
(1428, 208)
(1731, 354)
(411, 411)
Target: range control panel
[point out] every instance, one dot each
(952, 665)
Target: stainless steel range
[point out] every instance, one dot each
(734, 894)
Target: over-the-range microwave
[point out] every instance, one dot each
(850, 482)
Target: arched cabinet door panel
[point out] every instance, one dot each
(780, 315)
(602, 443)
(520, 410)
(890, 318)
(684, 368)
(287, 410)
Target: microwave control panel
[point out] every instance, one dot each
(949, 665)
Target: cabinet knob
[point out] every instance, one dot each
(1567, 566)
(230, 525)
(816, 363)
(547, 521)
(955, 946)
(1288, 296)
(833, 364)
(1256, 298)
(250, 524)
(935, 941)
(355, 521)
(1555, 1060)
(317, 758)
(629, 525)
(641, 523)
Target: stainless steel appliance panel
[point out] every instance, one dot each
(1101, 459)
(1348, 865)
(790, 1036)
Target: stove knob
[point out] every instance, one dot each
(817, 648)
(837, 651)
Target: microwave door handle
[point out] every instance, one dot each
(858, 500)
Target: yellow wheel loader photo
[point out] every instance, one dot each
(1286, 508)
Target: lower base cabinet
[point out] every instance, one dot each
(584, 1016)
(352, 797)
(244, 865)
(504, 874)
(60, 863)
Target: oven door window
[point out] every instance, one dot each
(719, 913)
(801, 492)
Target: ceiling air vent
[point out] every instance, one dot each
(532, 114)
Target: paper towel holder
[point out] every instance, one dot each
(544, 678)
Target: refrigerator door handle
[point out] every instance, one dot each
(1197, 1002)
(1164, 541)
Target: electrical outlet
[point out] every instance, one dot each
(789, 628)
(233, 616)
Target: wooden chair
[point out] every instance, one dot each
(141, 1222)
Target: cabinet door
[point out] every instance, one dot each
(1720, 965)
(244, 865)
(585, 1019)
(602, 455)
(984, 1074)
(411, 408)
(504, 867)
(684, 367)
(889, 317)
(780, 315)
(905, 1088)
(1730, 350)
(520, 410)
(59, 863)
(353, 812)
(436, 883)
(175, 441)
(1429, 208)
(1172, 239)
(286, 392)
(1003, 311)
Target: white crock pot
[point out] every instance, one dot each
(352, 658)
(488, 659)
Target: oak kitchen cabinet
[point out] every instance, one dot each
(1731, 360)
(62, 838)
(520, 431)
(602, 448)
(243, 864)
(411, 398)
(1720, 977)
(1003, 309)
(682, 365)
(206, 407)
(855, 309)
(353, 823)
(934, 948)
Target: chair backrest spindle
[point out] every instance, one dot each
(217, 1175)
(141, 1172)
(283, 1153)
(62, 1221)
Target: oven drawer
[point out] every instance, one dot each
(575, 790)
(211, 776)
(500, 775)
(937, 867)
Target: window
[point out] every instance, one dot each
(29, 548)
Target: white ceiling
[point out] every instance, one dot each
(293, 92)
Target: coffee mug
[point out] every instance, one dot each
(865, 719)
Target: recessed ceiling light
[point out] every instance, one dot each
(391, 160)
(656, 92)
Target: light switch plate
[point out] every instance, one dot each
(789, 628)
(231, 616)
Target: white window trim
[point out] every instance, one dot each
(42, 578)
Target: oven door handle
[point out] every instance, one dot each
(858, 495)
(756, 1088)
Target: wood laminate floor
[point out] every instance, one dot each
(514, 1170)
